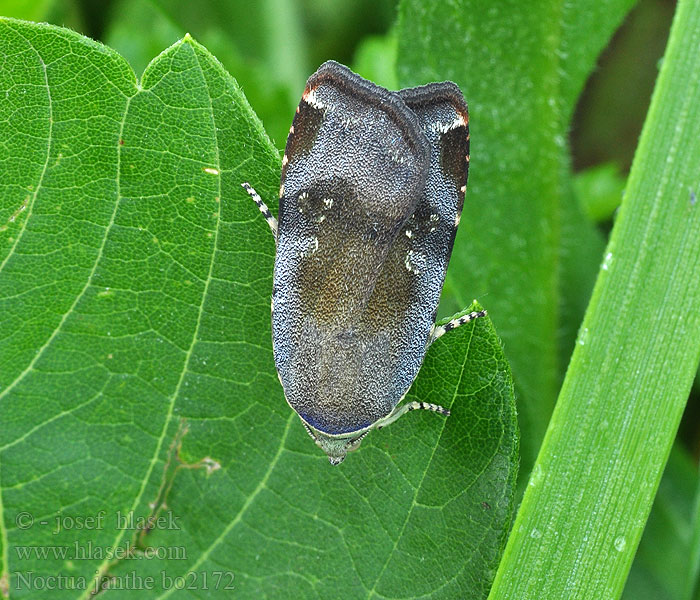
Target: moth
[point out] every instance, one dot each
(371, 195)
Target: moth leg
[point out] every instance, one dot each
(271, 221)
(402, 409)
(355, 444)
(440, 330)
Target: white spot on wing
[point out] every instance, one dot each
(312, 99)
(415, 261)
(434, 219)
(397, 155)
(445, 127)
(301, 201)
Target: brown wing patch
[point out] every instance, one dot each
(454, 148)
(305, 127)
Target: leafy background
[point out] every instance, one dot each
(137, 292)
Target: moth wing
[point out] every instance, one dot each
(405, 300)
(354, 169)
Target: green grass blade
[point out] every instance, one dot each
(595, 478)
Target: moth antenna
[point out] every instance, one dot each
(271, 221)
(440, 330)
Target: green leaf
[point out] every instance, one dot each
(580, 250)
(136, 370)
(599, 467)
(520, 66)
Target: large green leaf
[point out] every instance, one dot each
(136, 372)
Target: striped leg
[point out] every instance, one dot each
(402, 409)
(440, 330)
(271, 221)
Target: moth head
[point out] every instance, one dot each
(336, 448)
